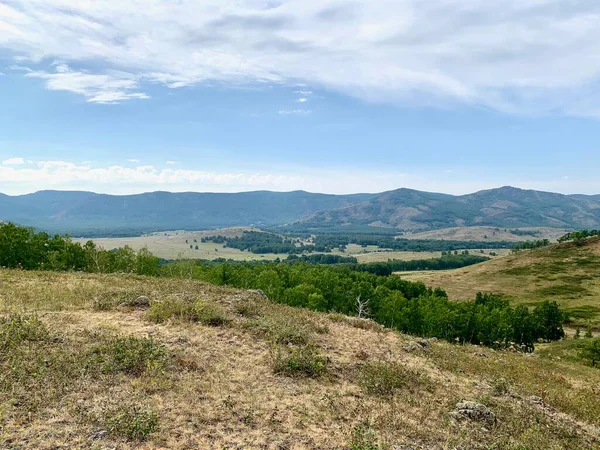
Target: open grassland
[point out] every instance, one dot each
(176, 245)
(567, 273)
(490, 234)
(199, 366)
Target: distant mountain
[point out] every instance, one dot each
(505, 207)
(85, 213)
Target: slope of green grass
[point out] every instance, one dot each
(568, 273)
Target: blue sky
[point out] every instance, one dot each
(328, 96)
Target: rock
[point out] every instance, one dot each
(536, 400)
(98, 434)
(477, 412)
(480, 354)
(258, 292)
(420, 345)
(141, 301)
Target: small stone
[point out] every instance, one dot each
(141, 301)
(99, 435)
(536, 400)
(477, 412)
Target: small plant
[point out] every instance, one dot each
(588, 332)
(386, 378)
(16, 329)
(248, 308)
(363, 438)
(131, 355)
(132, 422)
(577, 333)
(303, 361)
(500, 387)
(187, 311)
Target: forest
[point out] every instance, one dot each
(410, 307)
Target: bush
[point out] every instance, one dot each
(386, 378)
(363, 438)
(500, 387)
(187, 311)
(303, 361)
(590, 351)
(132, 422)
(131, 355)
(16, 329)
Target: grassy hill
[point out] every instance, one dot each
(100, 369)
(506, 207)
(568, 273)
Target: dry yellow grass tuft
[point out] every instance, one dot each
(110, 378)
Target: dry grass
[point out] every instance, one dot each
(565, 273)
(186, 385)
(489, 234)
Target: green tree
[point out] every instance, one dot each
(590, 351)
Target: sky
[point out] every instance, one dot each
(333, 96)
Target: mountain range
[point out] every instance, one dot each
(87, 213)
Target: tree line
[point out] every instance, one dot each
(579, 236)
(410, 307)
(409, 245)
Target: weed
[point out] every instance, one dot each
(500, 387)
(363, 437)
(16, 329)
(303, 361)
(132, 422)
(131, 355)
(187, 311)
(386, 378)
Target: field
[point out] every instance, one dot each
(490, 234)
(176, 245)
(97, 369)
(567, 273)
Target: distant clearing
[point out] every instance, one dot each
(176, 245)
(567, 273)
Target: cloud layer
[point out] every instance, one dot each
(517, 56)
(19, 176)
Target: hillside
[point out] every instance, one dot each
(505, 207)
(251, 374)
(492, 234)
(567, 273)
(86, 213)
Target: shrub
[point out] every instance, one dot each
(248, 308)
(500, 387)
(590, 351)
(187, 311)
(303, 361)
(131, 355)
(386, 378)
(363, 438)
(132, 422)
(16, 329)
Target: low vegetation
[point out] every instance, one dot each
(80, 377)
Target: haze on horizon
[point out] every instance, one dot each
(333, 96)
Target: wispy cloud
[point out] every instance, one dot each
(171, 163)
(507, 55)
(13, 162)
(133, 161)
(108, 88)
(288, 112)
(302, 100)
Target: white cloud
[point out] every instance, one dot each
(171, 162)
(116, 179)
(519, 56)
(288, 112)
(13, 161)
(133, 161)
(302, 100)
(108, 88)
